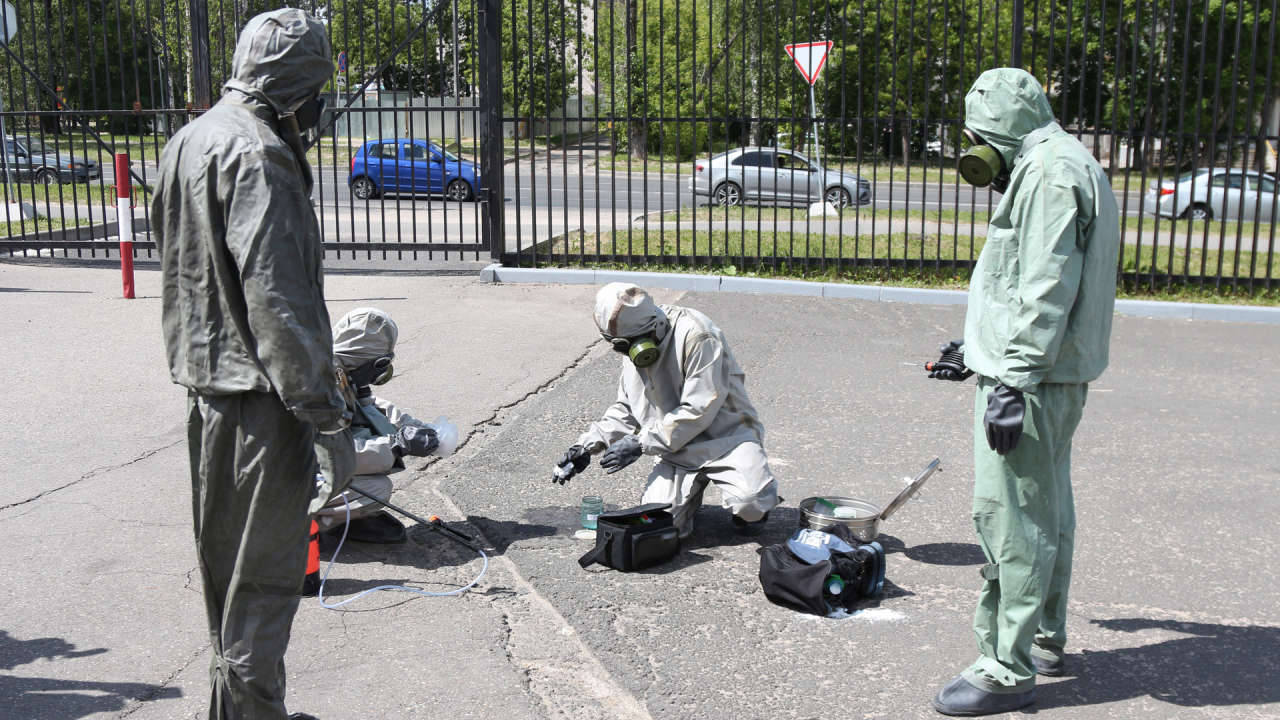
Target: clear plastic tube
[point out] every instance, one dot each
(415, 591)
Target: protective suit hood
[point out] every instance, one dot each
(624, 310)
(362, 335)
(282, 59)
(1004, 106)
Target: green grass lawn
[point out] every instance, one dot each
(42, 224)
(801, 258)
(95, 194)
(752, 213)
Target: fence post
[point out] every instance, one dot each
(201, 68)
(493, 209)
(124, 221)
(1016, 28)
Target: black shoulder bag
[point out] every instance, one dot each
(634, 539)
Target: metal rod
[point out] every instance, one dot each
(435, 523)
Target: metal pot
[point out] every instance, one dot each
(865, 523)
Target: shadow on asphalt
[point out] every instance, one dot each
(50, 697)
(1215, 665)
(947, 554)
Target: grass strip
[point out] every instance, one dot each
(795, 256)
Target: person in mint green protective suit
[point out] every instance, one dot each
(1037, 332)
(247, 333)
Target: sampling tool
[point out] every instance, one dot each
(861, 517)
(435, 524)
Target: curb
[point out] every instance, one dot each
(728, 283)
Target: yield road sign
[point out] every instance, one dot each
(810, 57)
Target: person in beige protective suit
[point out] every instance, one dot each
(364, 346)
(682, 399)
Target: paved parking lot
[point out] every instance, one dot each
(1176, 463)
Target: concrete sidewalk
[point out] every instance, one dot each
(1173, 611)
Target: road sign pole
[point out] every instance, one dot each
(817, 147)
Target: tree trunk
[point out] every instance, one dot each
(637, 130)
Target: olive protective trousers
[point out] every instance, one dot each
(253, 474)
(1025, 518)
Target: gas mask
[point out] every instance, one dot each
(308, 114)
(983, 165)
(643, 350)
(373, 372)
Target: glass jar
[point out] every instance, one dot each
(592, 506)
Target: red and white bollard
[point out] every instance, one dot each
(124, 221)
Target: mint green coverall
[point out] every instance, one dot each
(1039, 320)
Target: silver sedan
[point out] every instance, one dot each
(762, 175)
(1215, 194)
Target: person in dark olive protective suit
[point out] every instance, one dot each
(247, 333)
(1038, 331)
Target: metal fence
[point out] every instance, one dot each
(612, 111)
(85, 79)
(1177, 99)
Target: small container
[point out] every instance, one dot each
(592, 506)
(833, 585)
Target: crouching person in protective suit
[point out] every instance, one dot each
(681, 399)
(364, 346)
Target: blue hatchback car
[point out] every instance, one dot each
(411, 166)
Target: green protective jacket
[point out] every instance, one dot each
(240, 246)
(1043, 289)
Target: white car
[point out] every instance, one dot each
(766, 175)
(1215, 194)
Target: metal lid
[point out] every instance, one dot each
(909, 491)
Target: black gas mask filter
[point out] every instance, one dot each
(308, 114)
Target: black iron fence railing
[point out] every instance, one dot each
(677, 133)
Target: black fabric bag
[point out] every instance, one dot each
(626, 542)
(790, 581)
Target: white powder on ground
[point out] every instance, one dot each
(868, 615)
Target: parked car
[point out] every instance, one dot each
(1215, 194)
(411, 167)
(31, 160)
(771, 175)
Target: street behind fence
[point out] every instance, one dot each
(540, 133)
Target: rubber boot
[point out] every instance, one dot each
(1048, 668)
(960, 698)
(749, 527)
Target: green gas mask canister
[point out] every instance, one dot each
(983, 165)
(643, 351)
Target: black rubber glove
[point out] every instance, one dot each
(415, 441)
(621, 454)
(575, 460)
(1003, 420)
(951, 365)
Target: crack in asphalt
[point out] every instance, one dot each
(92, 473)
(141, 701)
(477, 428)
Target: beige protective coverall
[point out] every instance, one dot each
(689, 410)
(361, 335)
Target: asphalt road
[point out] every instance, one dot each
(1172, 615)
